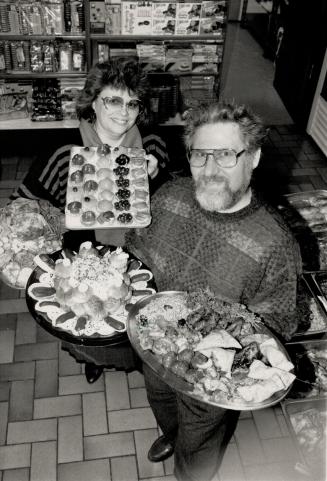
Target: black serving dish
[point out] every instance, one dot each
(44, 321)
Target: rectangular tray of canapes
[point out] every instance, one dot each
(107, 188)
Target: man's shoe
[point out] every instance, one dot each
(160, 450)
(92, 372)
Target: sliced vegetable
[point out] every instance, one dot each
(65, 317)
(118, 325)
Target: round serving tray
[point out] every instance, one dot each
(44, 321)
(178, 383)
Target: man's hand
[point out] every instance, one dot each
(152, 166)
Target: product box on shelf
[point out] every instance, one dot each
(97, 17)
(13, 106)
(163, 26)
(188, 26)
(136, 18)
(103, 52)
(10, 18)
(53, 18)
(151, 57)
(178, 60)
(211, 26)
(189, 10)
(112, 19)
(164, 10)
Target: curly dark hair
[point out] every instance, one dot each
(120, 74)
(253, 130)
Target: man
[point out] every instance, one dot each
(213, 230)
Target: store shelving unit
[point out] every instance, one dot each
(91, 41)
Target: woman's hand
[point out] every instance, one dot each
(152, 166)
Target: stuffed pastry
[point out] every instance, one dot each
(259, 370)
(218, 338)
(275, 356)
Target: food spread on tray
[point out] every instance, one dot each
(107, 187)
(221, 349)
(319, 282)
(311, 318)
(87, 293)
(27, 227)
(306, 214)
(312, 207)
(310, 429)
(310, 361)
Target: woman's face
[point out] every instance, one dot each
(118, 112)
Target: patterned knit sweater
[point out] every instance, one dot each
(249, 256)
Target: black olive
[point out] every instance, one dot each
(78, 159)
(122, 205)
(121, 171)
(122, 159)
(181, 322)
(125, 218)
(123, 193)
(121, 182)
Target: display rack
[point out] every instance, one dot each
(199, 81)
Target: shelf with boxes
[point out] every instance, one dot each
(179, 44)
(42, 37)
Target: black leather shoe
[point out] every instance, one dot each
(92, 372)
(160, 450)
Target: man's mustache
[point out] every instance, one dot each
(203, 181)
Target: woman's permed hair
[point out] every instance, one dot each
(120, 74)
(253, 130)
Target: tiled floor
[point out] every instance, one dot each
(54, 426)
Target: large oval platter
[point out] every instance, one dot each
(41, 277)
(178, 382)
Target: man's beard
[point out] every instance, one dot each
(215, 195)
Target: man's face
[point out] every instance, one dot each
(216, 188)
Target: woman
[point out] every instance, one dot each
(111, 104)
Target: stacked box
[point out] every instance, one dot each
(164, 18)
(97, 17)
(151, 57)
(178, 60)
(112, 19)
(213, 17)
(205, 58)
(136, 18)
(188, 18)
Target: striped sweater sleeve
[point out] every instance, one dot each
(155, 145)
(47, 181)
